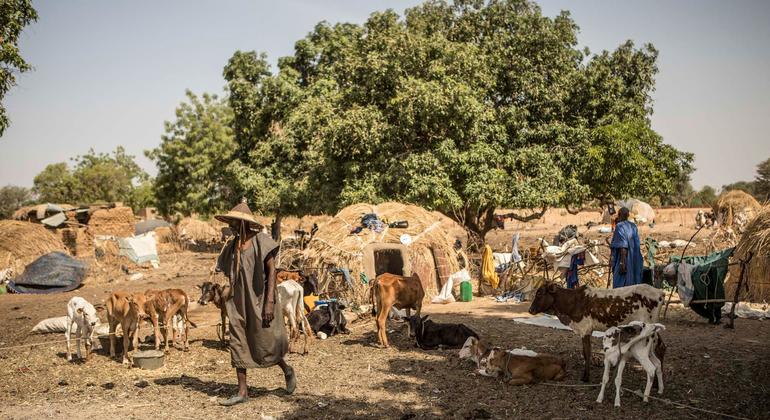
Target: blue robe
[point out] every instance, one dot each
(626, 236)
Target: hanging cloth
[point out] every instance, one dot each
(488, 267)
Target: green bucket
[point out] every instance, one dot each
(466, 291)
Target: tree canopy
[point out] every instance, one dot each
(14, 16)
(94, 177)
(11, 198)
(464, 108)
(192, 158)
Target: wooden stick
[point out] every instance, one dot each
(731, 322)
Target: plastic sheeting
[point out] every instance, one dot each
(54, 272)
(550, 322)
(140, 249)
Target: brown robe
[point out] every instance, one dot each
(251, 345)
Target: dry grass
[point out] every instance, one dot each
(755, 241)
(198, 231)
(23, 242)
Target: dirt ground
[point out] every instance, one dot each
(709, 367)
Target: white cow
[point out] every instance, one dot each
(81, 315)
(291, 296)
(636, 339)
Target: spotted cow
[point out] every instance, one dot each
(587, 309)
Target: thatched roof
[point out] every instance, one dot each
(755, 240)
(425, 228)
(428, 233)
(730, 203)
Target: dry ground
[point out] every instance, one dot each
(709, 367)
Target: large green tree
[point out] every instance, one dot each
(193, 156)
(465, 108)
(94, 177)
(14, 16)
(11, 198)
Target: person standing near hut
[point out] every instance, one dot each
(257, 334)
(626, 254)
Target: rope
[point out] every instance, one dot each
(638, 393)
(162, 327)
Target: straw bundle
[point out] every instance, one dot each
(23, 242)
(117, 221)
(334, 245)
(755, 240)
(198, 231)
(731, 203)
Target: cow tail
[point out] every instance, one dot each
(187, 306)
(303, 322)
(372, 296)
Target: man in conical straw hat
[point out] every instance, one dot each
(257, 332)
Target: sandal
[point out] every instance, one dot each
(236, 399)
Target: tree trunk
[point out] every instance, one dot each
(275, 228)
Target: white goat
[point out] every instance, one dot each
(82, 315)
(291, 297)
(636, 339)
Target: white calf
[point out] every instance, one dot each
(291, 293)
(636, 339)
(82, 315)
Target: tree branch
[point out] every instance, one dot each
(527, 218)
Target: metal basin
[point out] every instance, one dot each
(149, 359)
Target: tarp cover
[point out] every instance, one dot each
(139, 249)
(149, 225)
(708, 279)
(54, 272)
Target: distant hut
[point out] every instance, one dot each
(736, 207)
(425, 247)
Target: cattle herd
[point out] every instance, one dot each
(628, 316)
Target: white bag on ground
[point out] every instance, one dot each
(51, 325)
(445, 295)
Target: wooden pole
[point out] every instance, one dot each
(731, 322)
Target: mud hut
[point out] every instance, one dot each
(117, 221)
(755, 241)
(736, 207)
(424, 247)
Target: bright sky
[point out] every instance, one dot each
(109, 73)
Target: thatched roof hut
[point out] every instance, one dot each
(732, 203)
(425, 247)
(755, 240)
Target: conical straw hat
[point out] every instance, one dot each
(241, 212)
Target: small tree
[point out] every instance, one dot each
(193, 156)
(11, 198)
(762, 181)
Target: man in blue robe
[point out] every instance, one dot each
(626, 254)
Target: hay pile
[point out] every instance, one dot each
(732, 203)
(334, 245)
(23, 242)
(755, 240)
(118, 221)
(198, 231)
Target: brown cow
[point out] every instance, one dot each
(388, 290)
(283, 275)
(122, 309)
(216, 294)
(521, 367)
(587, 309)
(167, 303)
